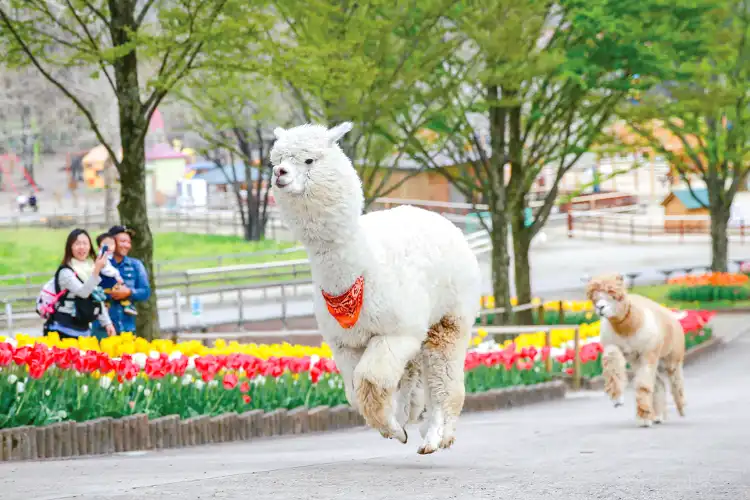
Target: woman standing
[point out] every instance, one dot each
(79, 275)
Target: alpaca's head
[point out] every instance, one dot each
(607, 292)
(310, 170)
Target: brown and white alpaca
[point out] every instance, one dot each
(637, 330)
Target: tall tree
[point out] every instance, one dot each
(363, 62)
(123, 43)
(234, 113)
(701, 123)
(547, 98)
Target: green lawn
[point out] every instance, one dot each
(659, 294)
(40, 250)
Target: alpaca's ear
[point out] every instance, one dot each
(279, 132)
(338, 132)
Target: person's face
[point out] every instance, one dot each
(81, 247)
(110, 242)
(122, 244)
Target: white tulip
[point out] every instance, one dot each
(12, 379)
(140, 359)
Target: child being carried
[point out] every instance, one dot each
(111, 279)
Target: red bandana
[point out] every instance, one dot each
(347, 306)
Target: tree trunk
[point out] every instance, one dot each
(500, 266)
(108, 194)
(719, 240)
(134, 214)
(522, 268)
(132, 207)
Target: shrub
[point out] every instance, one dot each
(708, 293)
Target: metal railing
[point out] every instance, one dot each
(33, 280)
(632, 228)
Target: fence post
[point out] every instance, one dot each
(9, 316)
(187, 286)
(577, 359)
(570, 222)
(561, 313)
(240, 308)
(283, 307)
(176, 310)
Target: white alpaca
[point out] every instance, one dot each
(399, 288)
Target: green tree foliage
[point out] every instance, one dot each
(549, 78)
(701, 122)
(364, 62)
(139, 50)
(235, 113)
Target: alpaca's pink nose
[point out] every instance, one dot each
(280, 171)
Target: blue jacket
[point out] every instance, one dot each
(134, 275)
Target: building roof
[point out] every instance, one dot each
(163, 152)
(219, 175)
(700, 200)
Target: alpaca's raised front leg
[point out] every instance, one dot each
(376, 379)
(645, 378)
(614, 373)
(346, 359)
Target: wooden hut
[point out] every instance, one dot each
(682, 203)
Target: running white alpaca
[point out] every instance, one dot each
(399, 288)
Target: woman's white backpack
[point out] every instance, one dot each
(49, 298)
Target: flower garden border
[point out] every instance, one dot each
(105, 436)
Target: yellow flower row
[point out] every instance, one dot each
(558, 336)
(488, 302)
(127, 343)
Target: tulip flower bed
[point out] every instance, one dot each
(574, 312)
(40, 385)
(48, 380)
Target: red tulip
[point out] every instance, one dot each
(246, 398)
(245, 386)
(6, 354)
(230, 380)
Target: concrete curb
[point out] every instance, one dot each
(696, 352)
(104, 436)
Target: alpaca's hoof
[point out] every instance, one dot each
(618, 402)
(659, 419)
(426, 449)
(447, 442)
(644, 422)
(402, 436)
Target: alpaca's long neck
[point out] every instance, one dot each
(628, 320)
(336, 246)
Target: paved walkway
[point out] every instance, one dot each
(578, 448)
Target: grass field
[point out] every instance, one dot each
(34, 250)
(659, 294)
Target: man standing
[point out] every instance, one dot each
(135, 287)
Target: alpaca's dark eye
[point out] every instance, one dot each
(309, 161)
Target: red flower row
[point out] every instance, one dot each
(39, 358)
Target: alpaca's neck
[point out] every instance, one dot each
(336, 246)
(629, 319)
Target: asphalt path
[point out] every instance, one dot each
(577, 448)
